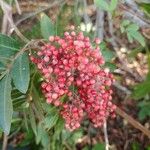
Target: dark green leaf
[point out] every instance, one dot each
(148, 148)
(135, 146)
(21, 73)
(6, 108)
(8, 46)
(111, 66)
(28, 138)
(108, 55)
(145, 7)
(144, 110)
(47, 27)
(141, 90)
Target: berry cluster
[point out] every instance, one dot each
(74, 78)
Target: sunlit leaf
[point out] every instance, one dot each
(102, 4)
(125, 22)
(132, 27)
(113, 4)
(47, 27)
(138, 36)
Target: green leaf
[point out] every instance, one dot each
(8, 46)
(33, 121)
(135, 146)
(138, 36)
(51, 120)
(122, 29)
(6, 109)
(47, 27)
(144, 112)
(144, 109)
(21, 73)
(108, 55)
(113, 5)
(99, 147)
(45, 140)
(125, 23)
(132, 27)
(59, 126)
(48, 108)
(2, 67)
(145, 7)
(148, 148)
(130, 38)
(39, 133)
(77, 135)
(42, 136)
(111, 66)
(141, 90)
(34, 32)
(102, 4)
(28, 139)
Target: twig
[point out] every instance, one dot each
(135, 14)
(106, 135)
(4, 24)
(86, 18)
(5, 142)
(100, 24)
(122, 88)
(134, 6)
(39, 11)
(7, 9)
(18, 7)
(133, 122)
(67, 146)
